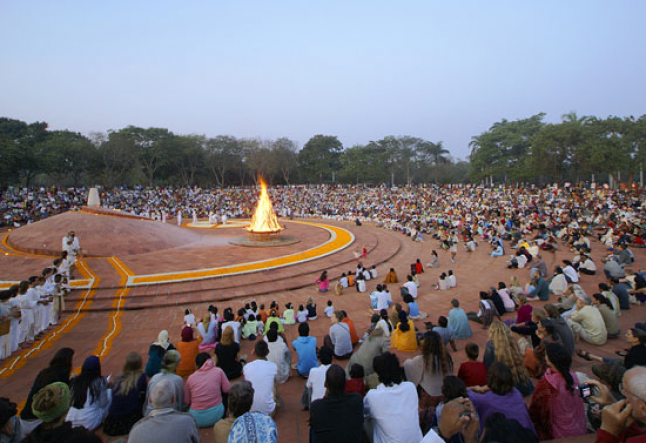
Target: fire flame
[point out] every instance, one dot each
(264, 220)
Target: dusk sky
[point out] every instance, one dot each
(360, 70)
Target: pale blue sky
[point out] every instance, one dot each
(360, 70)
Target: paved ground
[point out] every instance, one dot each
(138, 328)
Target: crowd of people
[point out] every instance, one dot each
(519, 388)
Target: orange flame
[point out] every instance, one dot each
(264, 220)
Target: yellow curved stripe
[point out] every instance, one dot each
(105, 343)
(341, 239)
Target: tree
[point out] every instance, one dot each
(185, 155)
(224, 154)
(149, 148)
(284, 157)
(68, 155)
(320, 157)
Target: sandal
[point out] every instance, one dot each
(621, 353)
(583, 354)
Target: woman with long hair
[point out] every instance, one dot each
(207, 330)
(227, 352)
(59, 370)
(128, 395)
(403, 336)
(557, 408)
(503, 347)
(91, 396)
(429, 369)
(156, 352)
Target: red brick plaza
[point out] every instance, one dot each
(110, 316)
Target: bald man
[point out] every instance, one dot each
(164, 424)
(623, 421)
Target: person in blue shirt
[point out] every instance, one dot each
(305, 347)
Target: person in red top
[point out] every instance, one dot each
(473, 372)
(353, 332)
(355, 383)
(623, 421)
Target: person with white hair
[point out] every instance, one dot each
(586, 322)
(168, 367)
(623, 421)
(164, 424)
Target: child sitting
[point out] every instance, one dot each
(473, 372)
(329, 311)
(355, 384)
(311, 309)
(288, 315)
(189, 319)
(250, 327)
(301, 315)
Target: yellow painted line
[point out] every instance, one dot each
(122, 266)
(339, 240)
(13, 364)
(20, 253)
(105, 343)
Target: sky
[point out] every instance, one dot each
(360, 70)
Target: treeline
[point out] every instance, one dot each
(30, 154)
(579, 147)
(527, 150)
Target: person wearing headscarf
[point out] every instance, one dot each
(188, 349)
(91, 397)
(11, 430)
(156, 353)
(50, 405)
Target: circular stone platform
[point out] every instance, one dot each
(283, 240)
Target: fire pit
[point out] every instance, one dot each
(264, 229)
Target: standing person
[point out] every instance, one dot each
(339, 338)
(391, 410)
(305, 347)
(129, 393)
(262, 376)
(249, 425)
(203, 391)
(323, 283)
(91, 396)
(557, 408)
(338, 417)
(156, 352)
(453, 246)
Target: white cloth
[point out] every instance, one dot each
(237, 332)
(412, 288)
(393, 413)
(571, 272)
(279, 355)
(432, 437)
(452, 281)
(316, 381)
(93, 412)
(262, 375)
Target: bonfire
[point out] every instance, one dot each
(264, 220)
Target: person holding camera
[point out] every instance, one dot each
(623, 421)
